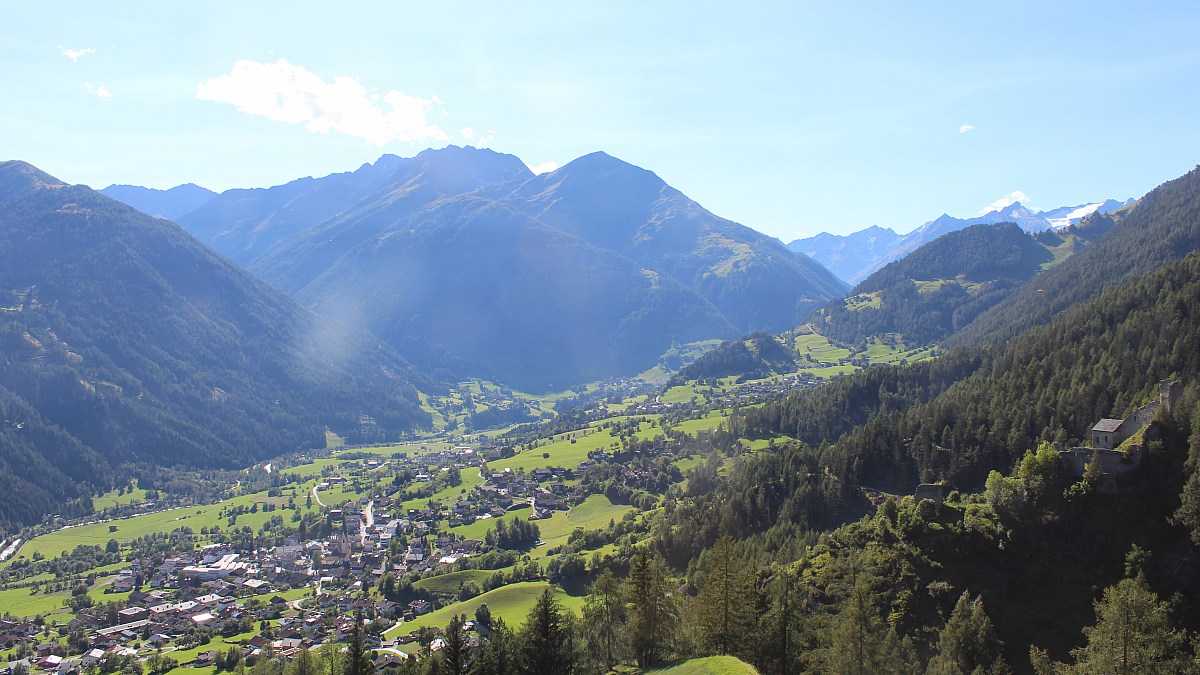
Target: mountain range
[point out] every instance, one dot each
(124, 340)
(853, 257)
(471, 265)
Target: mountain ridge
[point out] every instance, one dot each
(684, 251)
(856, 255)
(133, 343)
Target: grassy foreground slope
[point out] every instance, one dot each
(711, 665)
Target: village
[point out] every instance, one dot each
(305, 591)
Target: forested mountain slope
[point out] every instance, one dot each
(124, 340)
(1160, 228)
(1097, 360)
(939, 288)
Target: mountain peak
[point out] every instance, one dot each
(602, 165)
(18, 175)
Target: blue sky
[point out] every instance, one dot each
(792, 118)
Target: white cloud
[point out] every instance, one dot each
(289, 93)
(1006, 200)
(965, 128)
(472, 137)
(75, 54)
(100, 91)
(544, 167)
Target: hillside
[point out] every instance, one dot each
(939, 288)
(127, 341)
(511, 297)
(752, 279)
(1160, 228)
(976, 410)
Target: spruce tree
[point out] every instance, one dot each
(548, 639)
(860, 641)
(1132, 634)
(725, 606)
(358, 657)
(968, 643)
(604, 623)
(499, 655)
(455, 653)
(653, 615)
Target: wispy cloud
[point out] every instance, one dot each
(544, 167)
(75, 54)
(472, 137)
(289, 93)
(99, 90)
(1008, 199)
(965, 128)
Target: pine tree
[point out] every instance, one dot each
(861, 642)
(725, 606)
(1132, 634)
(653, 615)
(499, 656)
(1188, 514)
(358, 657)
(548, 639)
(780, 626)
(454, 654)
(303, 664)
(968, 641)
(604, 623)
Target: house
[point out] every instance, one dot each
(1108, 437)
(930, 491)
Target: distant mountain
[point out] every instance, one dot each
(511, 297)
(1069, 215)
(844, 255)
(126, 341)
(859, 254)
(295, 260)
(751, 278)
(382, 247)
(170, 204)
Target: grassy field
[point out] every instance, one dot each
(111, 499)
(511, 603)
(450, 583)
(222, 644)
(712, 665)
(593, 513)
(864, 301)
(817, 347)
(707, 423)
(21, 603)
(562, 453)
(127, 529)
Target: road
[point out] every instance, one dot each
(317, 496)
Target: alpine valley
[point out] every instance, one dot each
(441, 414)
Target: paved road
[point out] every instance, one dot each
(317, 496)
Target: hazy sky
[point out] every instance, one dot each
(790, 117)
